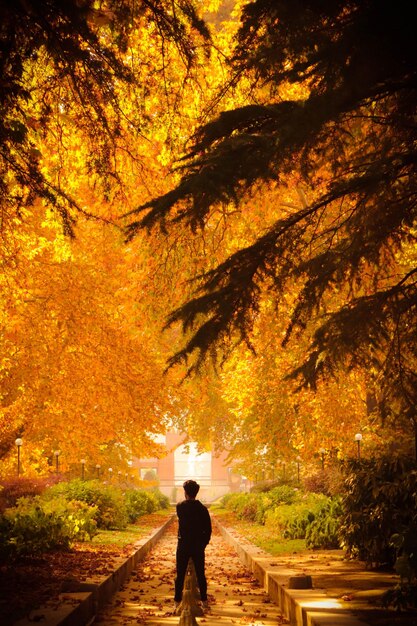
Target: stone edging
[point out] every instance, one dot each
(80, 607)
(302, 607)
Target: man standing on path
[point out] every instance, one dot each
(194, 532)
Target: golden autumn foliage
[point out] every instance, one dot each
(83, 351)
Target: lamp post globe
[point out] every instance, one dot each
(19, 443)
(358, 439)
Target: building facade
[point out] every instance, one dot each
(181, 462)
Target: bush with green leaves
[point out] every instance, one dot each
(162, 500)
(33, 531)
(69, 512)
(80, 517)
(404, 543)
(5, 532)
(140, 502)
(70, 521)
(254, 506)
(323, 530)
(244, 505)
(379, 502)
(275, 497)
(283, 494)
(227, 500)
(110, 501)
(404, 594)
(290, 521)
(261, 505)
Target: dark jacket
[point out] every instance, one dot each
(194, 523)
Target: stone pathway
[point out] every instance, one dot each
(235, 596)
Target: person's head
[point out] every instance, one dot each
(191, 488)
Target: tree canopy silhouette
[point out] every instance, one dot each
(351, 141)
(69, 55)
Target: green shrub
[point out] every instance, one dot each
(404, 542)
(254, 507)
(323, 530)
(78, 516)
(290, 514)
(284, 494)
(34, 532)
(379, 501)
(300, 518)
(244, 505)
(261, 504)
(280, 518)
(140, 502)
(69, 512)
(290, 521)
(110, 502)
(401, 596)
(5, 531)
(405, 545)
(162, 500)
(227, 499)
(404, 594)
(247, 507)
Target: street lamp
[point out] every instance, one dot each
(298, 459)
(83, 462)
(358, 439)
(98, 467)
(322, 453)
(56, 455)
(18, 443)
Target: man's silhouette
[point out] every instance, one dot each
(194, 532)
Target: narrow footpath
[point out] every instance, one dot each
(235, 596)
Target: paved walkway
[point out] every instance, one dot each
(234, 594)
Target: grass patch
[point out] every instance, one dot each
(259, 535)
